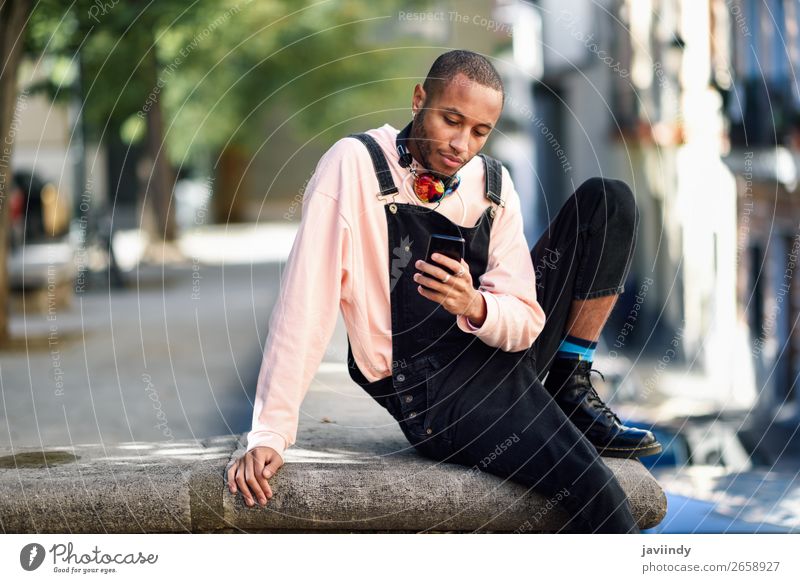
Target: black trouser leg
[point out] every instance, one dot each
(503, 421)
(585, 252)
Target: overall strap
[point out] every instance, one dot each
(493, 170)
(494, 178)
(382, 171)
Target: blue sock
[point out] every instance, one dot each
(575, 348)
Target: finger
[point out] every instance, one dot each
(231, 472)
(431, 268)
(243, 489)
(266, 487)
(252, 481)
(465, 277)
(269, 471)
(424, 266)
(451, 288)
(273, 466)
(430, 282)
(262, 480)
(435, 272)
(448, 262)
(432, 295)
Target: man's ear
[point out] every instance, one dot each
(418, 99)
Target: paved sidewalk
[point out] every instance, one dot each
(174, 356)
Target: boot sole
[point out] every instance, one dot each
(629, 452)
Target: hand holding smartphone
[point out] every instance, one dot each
(446, 245)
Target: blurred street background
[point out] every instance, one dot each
(153, 158)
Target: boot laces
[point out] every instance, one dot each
(593, 397)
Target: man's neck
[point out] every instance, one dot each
(413, 148)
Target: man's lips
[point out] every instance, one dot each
(451, 161)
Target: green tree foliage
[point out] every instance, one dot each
(219, 66)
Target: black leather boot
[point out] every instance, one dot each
(569, 384)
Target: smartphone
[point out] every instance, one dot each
(446, 245)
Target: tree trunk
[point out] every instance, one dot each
(229, 201)
(161, 180)
(13, 18)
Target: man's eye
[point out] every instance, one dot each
(450, 122)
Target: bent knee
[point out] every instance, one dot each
(615, 195)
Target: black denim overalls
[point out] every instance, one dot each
(460, 400)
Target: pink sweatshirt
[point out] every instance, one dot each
(340, 259)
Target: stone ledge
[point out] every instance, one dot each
(178, 486)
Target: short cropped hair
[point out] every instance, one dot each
(474, 66)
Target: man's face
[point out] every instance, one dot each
(451, 128)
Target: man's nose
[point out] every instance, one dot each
(459, 143)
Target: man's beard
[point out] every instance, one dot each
(420, 137)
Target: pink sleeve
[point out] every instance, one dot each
(514, 318)
(304, 317)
